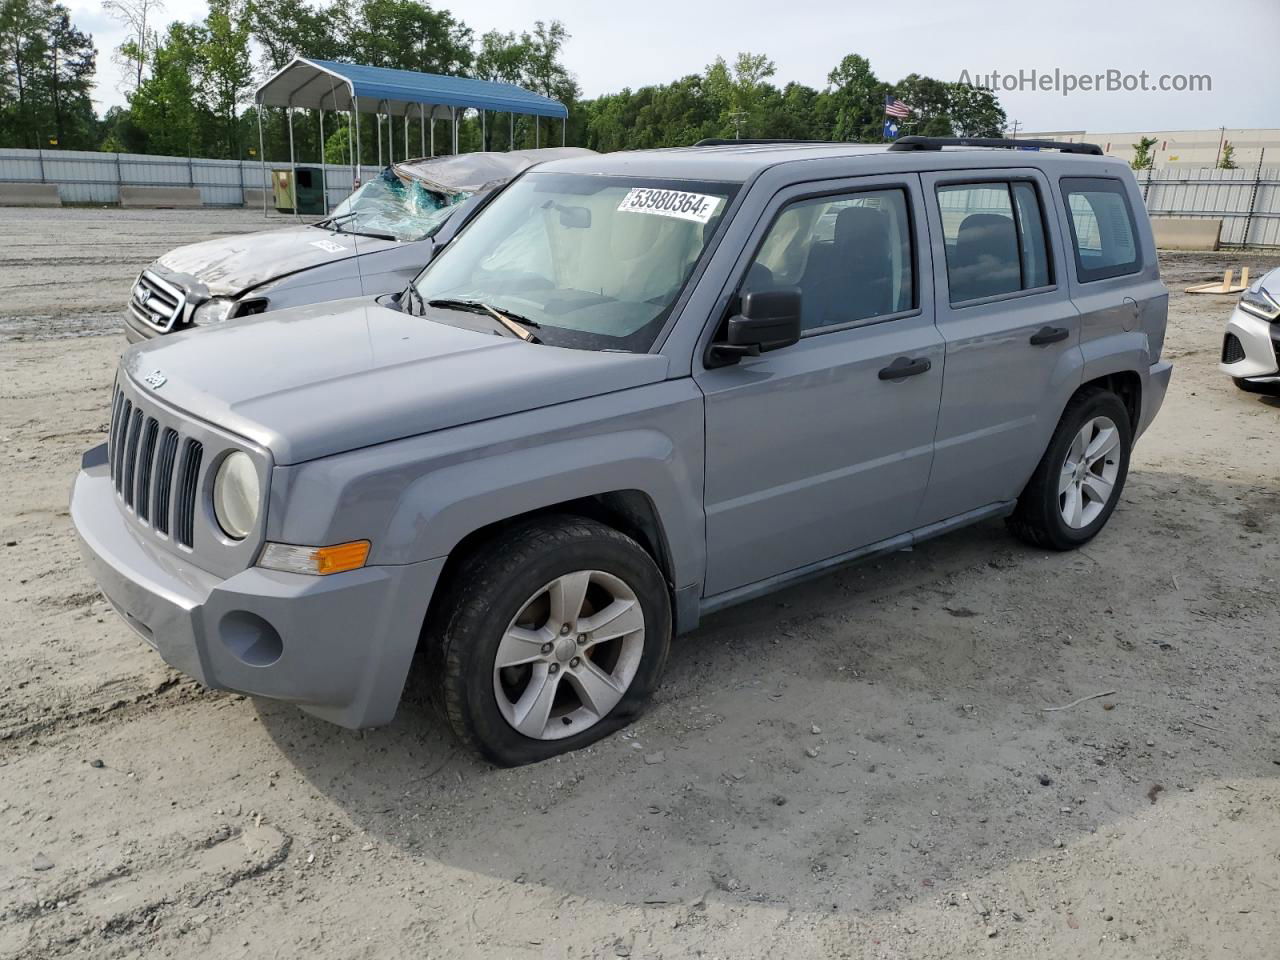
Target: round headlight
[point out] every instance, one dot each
(235, 496)
(212, 311)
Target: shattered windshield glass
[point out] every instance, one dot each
(390, 206)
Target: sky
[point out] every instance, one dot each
(1232, 42)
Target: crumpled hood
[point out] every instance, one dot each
(318, 380)
(228, 266)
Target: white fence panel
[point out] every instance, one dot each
(89, 177)
(1246, 199)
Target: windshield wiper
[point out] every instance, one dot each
(516, 324)
(334, 223)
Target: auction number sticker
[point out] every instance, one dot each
(698, 207)
(328, 246)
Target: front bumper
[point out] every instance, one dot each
(339, 646)
(135, 330)
(1255, 350)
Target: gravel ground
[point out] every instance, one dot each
(864, 766)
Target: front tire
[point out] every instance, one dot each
(1079, 479)
(554, 636)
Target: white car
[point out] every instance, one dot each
(1251, 346)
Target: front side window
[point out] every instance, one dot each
(1103, 234)
(995, 239)
(850, 256)
(592, 262)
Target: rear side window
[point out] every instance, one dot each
(1103, 234)
(995, 239)
(849, 255)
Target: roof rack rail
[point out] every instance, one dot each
(937, 143)
(730, 142)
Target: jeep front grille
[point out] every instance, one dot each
(156, 474)
(157, 303)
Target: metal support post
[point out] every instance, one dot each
(262, 159)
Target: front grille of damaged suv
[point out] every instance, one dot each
(154, 468)
(156, 302)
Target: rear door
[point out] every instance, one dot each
(1117, 282)
(1012, 334)
(813, 451)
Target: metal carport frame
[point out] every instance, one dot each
(328, 85)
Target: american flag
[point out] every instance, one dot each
(894, 107)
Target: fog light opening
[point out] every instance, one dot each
(250, 638)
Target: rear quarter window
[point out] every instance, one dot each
(1104, 236)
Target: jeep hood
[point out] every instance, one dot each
(229, 266)
(319, 380)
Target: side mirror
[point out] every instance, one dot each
(770, 320)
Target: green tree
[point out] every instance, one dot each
(285, 29)
(226, 73)
(1142, 156)
(23, 45)
(741, 93)
(138, 18)
(405, 35)
(46, 74)
(1228, 159)
(930, 103)
(164, 112)
(857, 101)
(68, 70)
(974, 112)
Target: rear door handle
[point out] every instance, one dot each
(905, 367)
(1047, 335)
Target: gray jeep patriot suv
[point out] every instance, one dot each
(636, 389)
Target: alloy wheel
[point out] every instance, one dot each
(1088, 478)
(569, 655)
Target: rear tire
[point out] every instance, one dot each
(550, 637)
(1266, 389)
(1078, 481)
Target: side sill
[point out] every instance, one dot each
(761, 587)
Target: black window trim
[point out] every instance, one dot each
(879, 187)
(1008, 180)
(1083, 273)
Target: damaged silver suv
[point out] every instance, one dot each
(635, 389)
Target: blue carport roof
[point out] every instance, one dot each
(329, 85)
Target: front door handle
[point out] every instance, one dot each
(1047, 335)
(905, 367)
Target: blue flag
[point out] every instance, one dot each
(890, 128)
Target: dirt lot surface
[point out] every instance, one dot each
(865, 766)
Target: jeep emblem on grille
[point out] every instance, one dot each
(155, 379)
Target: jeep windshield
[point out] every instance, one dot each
(594, 262)
(393, 207)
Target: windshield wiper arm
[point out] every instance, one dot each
(412, 294)
(518, 325)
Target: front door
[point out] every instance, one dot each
(824, 446)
